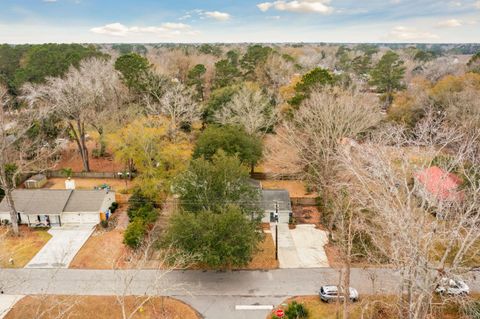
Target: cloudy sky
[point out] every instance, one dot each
(38, 21)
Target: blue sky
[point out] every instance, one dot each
(38, 21)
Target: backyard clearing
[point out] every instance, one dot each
(279, 157)
(21, 248)
(70, 158)
(88, 183)
(105, 307)
(368, 306)
(294, 188)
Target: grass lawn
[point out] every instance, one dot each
(105, 307)
(265, 257)
(21, 248)
(101, 251)
(370, 306)
(105, 250)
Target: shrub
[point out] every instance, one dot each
(134, 233)
(296, 311)
(113, 207)
(146, 213)
(137, 201)
(104, 223)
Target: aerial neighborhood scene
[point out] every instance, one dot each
(297, 159)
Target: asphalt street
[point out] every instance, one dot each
(214, 294)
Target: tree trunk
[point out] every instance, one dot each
(13, 211)
(79, 136)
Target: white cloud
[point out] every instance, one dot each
(50, 1)
(304, 6)
(409, 34)
(477, 4)
(452, 23)
(167, 30)
(217, 15)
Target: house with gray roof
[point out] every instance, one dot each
(276, 200)
(52, 207)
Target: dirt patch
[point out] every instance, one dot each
(89, 183)
(70, 158)
(21, 248)
(279, 157)
(105, 307)
(307, 215)
(294, 188)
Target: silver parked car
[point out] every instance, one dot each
(332, 293)
(452, 287)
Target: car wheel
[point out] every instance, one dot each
(354, 299)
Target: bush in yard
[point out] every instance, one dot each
(223, 239)
(134, 233)
(146, 213)
(104, 223)
(113, 207)
(137, 201)
(296, 311)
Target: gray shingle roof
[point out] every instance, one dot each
(85, 201)
(38, 201)
(281, 196)
(53, 201)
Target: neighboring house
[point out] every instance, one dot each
(439, 186)
(271, 199)
(51, 207)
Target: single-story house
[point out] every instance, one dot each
(52, 207)
(439, 185)
(273, 199)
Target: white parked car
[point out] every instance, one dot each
(452, 287)
(332, 293)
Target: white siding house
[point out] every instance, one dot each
(48, 207)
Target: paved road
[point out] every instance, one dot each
(214, 294)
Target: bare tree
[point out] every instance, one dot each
(425, 236)
(249, 108)
(21, 150)
(178, 105)
(322, 122)
(80, 98)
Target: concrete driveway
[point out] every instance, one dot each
(7, 302)
(302, 247)
(60, 250)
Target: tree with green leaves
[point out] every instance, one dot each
(195, 78)
(226, 71)
(133, 68)
(387, 76)
(215, 184)
(316, 78)
(221, 239)
(47, 60)
(474, 63)
(217, 100)
(233, 140)
(255, 56)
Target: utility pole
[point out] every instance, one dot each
(276, 230)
